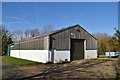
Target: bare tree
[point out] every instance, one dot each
(31, 33)
(27, 33)
(18, 35)
(102, 42)
(5, 38)
(35, 32)
(47, 28)
(4, 33)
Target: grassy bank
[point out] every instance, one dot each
(17, 61)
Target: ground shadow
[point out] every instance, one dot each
(55, 71)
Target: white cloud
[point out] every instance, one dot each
(13, 20)
(66, 17)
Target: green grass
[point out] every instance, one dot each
(105, 59)
(102, 56)
(17, 61)
(119, 57)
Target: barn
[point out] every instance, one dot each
(66, 44)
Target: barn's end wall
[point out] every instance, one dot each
(61, 40)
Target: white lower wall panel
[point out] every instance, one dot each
(60, 56)
(90, 54)
(15, 53)
(46, 55)
(33, 55)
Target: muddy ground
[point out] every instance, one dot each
(80, 69)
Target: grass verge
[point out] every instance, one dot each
(17, 61)
(105, 59)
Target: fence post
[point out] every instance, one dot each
(8, 49)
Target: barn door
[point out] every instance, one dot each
(77, 49)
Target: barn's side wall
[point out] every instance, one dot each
(40, 43)
(46, 43)
(33, 55)
(34, 49)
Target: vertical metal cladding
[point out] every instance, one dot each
(61, 39)
(31, 44)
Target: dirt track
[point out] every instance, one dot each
(88, 69)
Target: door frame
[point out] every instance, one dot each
(71, 58)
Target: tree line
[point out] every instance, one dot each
(108, 43)
(20, 35)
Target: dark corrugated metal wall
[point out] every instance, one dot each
(35, 44)
(61, 40)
